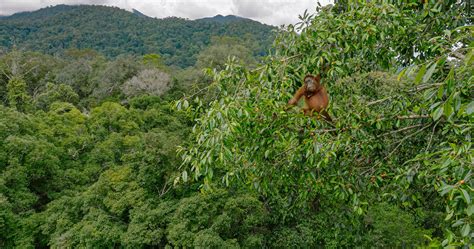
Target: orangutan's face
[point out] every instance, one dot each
(311, 84)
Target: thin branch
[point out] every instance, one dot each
(324, 130)
(415, 89)
(282, 60)
(405, 138)
(165, 189)
(241, 82)
(31, 69)
(378, 163)
(5, 73)
(285, 151)
(378, 101)
(252, 71)
(291, 57)
(402, 129)
(425, 86)
(414, 116)
(431, 137)
(330, 130)
(457, 55)
(199, 91)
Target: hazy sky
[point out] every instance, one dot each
(273, 12)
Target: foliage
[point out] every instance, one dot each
(17, 96)
(94, 79)
(392, 227)
(215, 56)
(57, 162)
(216, 221)
(86, 164)
(391, 135)
(56, 93)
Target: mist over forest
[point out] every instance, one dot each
(119, 130)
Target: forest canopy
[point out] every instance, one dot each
(134, 151)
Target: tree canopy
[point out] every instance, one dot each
(129, 152)
(400, 80)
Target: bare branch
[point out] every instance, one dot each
(166, 189)
(330, 130)
(378, 101)
(402, 129)
(282, 60)
(414, 116)
(405, 138)
(431, 137)
(425, 86)
(457, 55)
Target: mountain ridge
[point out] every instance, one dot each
(64, 7)
(114, 31)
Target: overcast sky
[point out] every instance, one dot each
(275, 12)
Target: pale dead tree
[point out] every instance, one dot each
(148, 81)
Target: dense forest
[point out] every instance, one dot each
(114, 32)
(105, 146)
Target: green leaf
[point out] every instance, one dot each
(178, 105)
(470, 210)
(185, 104)
(457, 101)
(450, 80)
(466, 196)
(458, 223)
(440, 92)
(447, 109)
(401, 74)
(267, 152)
(429, 73)
(185, 176)
(445, 242)
(420, 74)
(445, 189)
(437, 113)
(449, 216)
(465, 230)
(470, 108)
(433, 106)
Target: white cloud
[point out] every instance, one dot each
(254, 9)
(275, 12)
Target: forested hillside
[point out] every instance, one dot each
(113, 32)
(126, 151)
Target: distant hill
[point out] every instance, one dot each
(221, 18)
(114, 31)
(138, 13)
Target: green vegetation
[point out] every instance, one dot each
(114, 32)
(401, 85)
(128, 152)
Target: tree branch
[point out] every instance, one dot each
(431, 137)
(458, 55)
(413, 116)
(402, 129)
(378, 101)
(425, 86)
(405, 138)
(330, 130)
(282, 60)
